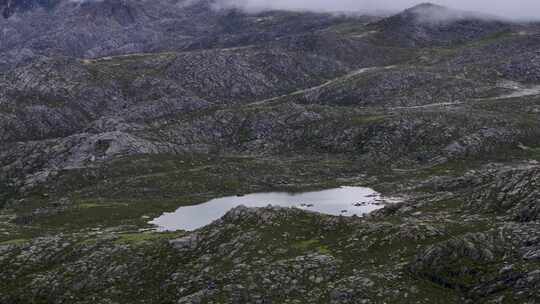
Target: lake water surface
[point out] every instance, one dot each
(346, 201)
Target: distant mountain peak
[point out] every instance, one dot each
(427, 5)
(433, 13)
(430, 24)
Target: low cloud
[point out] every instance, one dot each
(513, 9)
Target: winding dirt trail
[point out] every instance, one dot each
(325, 84)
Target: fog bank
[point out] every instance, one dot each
(513, 9)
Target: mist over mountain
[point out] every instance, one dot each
(519, 9)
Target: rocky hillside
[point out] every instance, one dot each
(93, 29)
(113, 112)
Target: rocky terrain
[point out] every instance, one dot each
(115, 111)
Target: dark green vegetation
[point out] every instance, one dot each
(202, 103)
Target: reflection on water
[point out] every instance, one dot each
(346, 201)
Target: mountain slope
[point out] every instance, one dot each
(91, 29)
